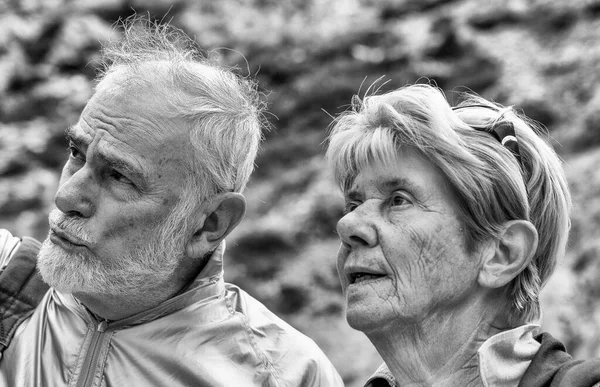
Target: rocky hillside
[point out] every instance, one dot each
(310, 57)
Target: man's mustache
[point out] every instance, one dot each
(70, 225)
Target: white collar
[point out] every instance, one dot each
(504, 357)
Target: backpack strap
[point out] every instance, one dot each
(21, 289)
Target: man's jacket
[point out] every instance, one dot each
(213, 334)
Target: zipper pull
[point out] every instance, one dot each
(102, 326)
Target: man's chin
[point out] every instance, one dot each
(58, 268)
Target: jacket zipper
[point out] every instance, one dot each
(86, 376)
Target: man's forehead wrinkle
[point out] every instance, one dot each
(113, 120)
(119, 124)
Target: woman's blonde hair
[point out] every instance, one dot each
(492, 184)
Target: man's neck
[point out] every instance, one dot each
(118, 307)
(440, 352)
(112, 308)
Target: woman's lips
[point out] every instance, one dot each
(361, 277)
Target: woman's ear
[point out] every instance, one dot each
(221, 215)
(514, 250)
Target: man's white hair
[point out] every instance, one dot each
(223, 110)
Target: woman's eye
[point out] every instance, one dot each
(399, 200)
(349, 207)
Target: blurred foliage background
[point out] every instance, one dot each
(310, 57)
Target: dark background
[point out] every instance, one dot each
(310, 57)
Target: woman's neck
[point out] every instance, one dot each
(440, 352)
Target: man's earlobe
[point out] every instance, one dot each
(515, 248)
(221, 215)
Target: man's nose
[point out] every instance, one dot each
(355, 228)
(76, 193)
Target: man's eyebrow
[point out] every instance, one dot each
(109, 158)
(121, 164)
(72, 137)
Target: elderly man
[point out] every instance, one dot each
(454, 220)
(152, 186)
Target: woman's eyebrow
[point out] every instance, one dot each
(386, 185)
(353, 194)
(398, 182)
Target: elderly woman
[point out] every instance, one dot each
(454, 220)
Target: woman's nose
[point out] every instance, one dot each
(356, 229)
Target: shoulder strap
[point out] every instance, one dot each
(21, 289)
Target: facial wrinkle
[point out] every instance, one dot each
(424, 246)
(114, 120)
(387, 299)
(395, 278)
(95, 121)
(108, 119)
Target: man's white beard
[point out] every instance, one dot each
(141, 271)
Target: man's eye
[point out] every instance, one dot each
(116, 175)
(75, 153)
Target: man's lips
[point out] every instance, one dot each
(56, 232)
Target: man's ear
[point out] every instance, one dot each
(221, 215)
(514, 250)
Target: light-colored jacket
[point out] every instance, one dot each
(213, 334)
